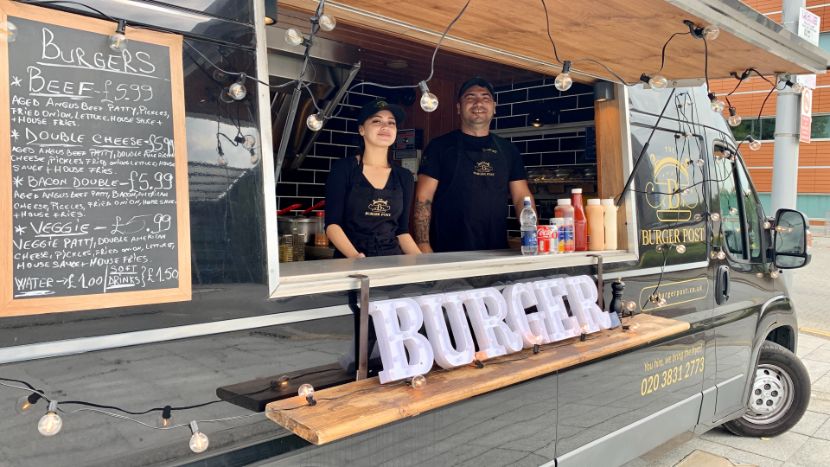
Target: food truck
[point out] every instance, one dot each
(157, 310)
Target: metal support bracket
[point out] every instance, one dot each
(600, 284)
(363, 334)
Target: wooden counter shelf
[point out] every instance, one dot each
(359, 406)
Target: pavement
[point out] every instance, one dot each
(808, 443)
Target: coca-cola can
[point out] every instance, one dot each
(543, 239)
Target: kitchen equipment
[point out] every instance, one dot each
(300, 225)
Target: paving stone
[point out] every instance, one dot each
(817, 369)
(780, 448)
(810, 423)
(814, 452)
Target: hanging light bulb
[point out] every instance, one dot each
(734, 119)
(282, 381)
(118, 40)
(254, 156)
(249, 142)
(714, 216)
(327, 22)
(237, 90)
(314, 122)
(721, 255)
(795, 86)
(656, 81)
(759, 275)
(733, 211)
(716, 104)
(767, 225)
(25, 403)
(221, 160)
(429, 102)
(306, 390)
(198, 441)
(166, 416)
(680, 248)
(774, 274)
(563, 80)
(630, 306)
(711, 32)
(9, 32)
(700, 162)
(293, 37)
(418, 381)
(51, 423)
(754, 144)
(697, 217)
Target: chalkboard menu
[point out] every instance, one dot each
(95, 167)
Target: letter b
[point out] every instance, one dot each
(397, 323)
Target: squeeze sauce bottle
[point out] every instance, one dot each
(596, 225)
(610, 221)
(580, 227)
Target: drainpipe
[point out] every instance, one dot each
(787, 121)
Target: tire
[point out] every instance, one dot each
(779, 395)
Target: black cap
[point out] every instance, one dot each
(477, 81)
(375, 106)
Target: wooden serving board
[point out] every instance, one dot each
(359, 406)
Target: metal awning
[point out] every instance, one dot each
(625, 35)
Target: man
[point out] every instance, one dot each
(465, 178)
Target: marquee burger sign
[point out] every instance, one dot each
(499, 320)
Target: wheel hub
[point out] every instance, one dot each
(771, 396)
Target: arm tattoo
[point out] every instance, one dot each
(422, 216)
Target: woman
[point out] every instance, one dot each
(367, 198)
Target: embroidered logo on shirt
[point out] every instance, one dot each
(484, 169)
(379, 208)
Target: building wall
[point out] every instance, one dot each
(814, 158)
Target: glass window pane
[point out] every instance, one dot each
(753, 212)
(767, 128)
(732, 239)
(820, 127)
(824, 41)
(743, 130)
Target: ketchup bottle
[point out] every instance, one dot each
(580, 222)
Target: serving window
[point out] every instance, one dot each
(566, 140)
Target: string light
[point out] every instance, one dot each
(754, 144)
(563, 80)
(307, 391)
(774, 274)
(630, 306)
(237, 90)
(429, 102)
(418, 381)
(656, 81)
(118, 40)
(166, 416)
(314, 122)
(249, 142)
(199, 441)
(51, 423)
(715, 217)
(767, 225)
(680, 248)
(327, 22)
(734, 119)
(26, 402)
(795, 86)
(716, 104)
(293, 37)
(10, 32)
(711, 32)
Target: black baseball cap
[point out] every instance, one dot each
(477, 81)
(375, 106)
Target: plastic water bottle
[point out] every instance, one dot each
(528, 221)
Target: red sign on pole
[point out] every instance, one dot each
(806, 115)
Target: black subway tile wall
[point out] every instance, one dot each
(518, 105)
(338, 138)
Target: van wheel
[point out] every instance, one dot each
(779, 395)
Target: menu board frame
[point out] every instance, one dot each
(29, 306)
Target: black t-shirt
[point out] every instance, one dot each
(469, 210)
(340, 181)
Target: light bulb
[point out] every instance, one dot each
(661, 302)
(658, 82)
(767, 225)
(716, 104)
(721, 255)
(700, 162)
(198, 441)
(237, 90)
(759, 275)
(249, 142)
(293, 37)
(51, 423)
(714, 216)
(630, 305)
(221, 161)
(711, 32)
(327, 22)
(254, 157)
(306, 390)
(680, 249)
(697, 217)
(25, 403)
(10, 32)
(283, 380)
(796, 87)
(166, 416)
(754, 144)
(734, 119)
(418, 381)
(314, 122)
(118, 40)
(429, 102)
(563, 80)
(654, 298)
(733, 211)
(774, 274)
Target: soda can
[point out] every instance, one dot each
(543, 236)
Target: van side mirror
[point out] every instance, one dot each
(790, 240)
